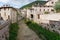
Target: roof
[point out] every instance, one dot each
(7, 7)
(33, 3)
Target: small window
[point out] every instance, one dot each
(38, 16)
(52, 10)
(31, 15)
(47, 6)
(40, 9)
(44, 9)
(48, 10)
(52, 2)
(40, 6)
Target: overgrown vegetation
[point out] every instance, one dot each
(46, 34)
(13, 31)
(46, 12)
(57, 6)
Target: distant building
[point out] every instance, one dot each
(39, 8)
(51, 2)
(8, 12)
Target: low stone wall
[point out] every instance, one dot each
(4, 31)
(52, 26)
(46, 17)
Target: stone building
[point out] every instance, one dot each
(8, 12)
(51, 2)
(38, 9)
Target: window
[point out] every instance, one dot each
(31, 15)
(38, 16)
(52, 2)
(48, 6)
(31, 10)
(40, 9)
(52, 10)
(40, 6)
(48, 9)
(44, 9)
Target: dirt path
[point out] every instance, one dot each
(25, 33)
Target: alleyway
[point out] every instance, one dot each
(25, 33)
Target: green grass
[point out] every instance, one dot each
(13, 31)
(41, 31)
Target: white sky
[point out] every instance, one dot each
(15, 3)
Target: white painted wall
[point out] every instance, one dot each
(45, 18)
(5, 11)
(48, 9)
(13, 16)
(11, 12)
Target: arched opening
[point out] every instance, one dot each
(31, 15)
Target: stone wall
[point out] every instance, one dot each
(52, 26)
(4, 31)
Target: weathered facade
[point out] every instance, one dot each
(35, 12)
(8, 12)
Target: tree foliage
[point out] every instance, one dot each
(13, 31)
(57, 6)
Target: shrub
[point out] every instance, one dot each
(46, 12)
(13, 31)
(57, 6)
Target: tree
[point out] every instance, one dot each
(57, 6)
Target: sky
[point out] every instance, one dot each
(15, 3)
